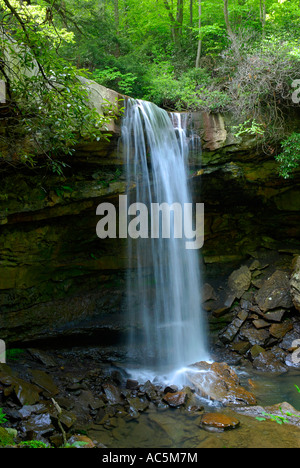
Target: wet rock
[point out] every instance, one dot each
(241, 347)
(26, 393)
(279, 353)
(45, 381)
(255, 351)
(208, 293)
(67, 418)
(137, 404)
(274, 316)
(239, 281)
(43, 357)
(132, 384)
(218, 421)
(39, 425)
(279, 330)
(219, 382)
(13, 414)
(260, 323)
(81, 441)
(171, 389)
(275, 292)
(86, 399)
(175, 399)
(65, 403)
(295, 284)
(255, 336)
(233, 329)
(290, 337)
(267, 361)
(150, 390)
(284, 409)
(113, 394)
(27, 410)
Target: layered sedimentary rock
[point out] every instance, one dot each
(58, 279)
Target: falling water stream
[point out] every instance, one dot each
(164, 284)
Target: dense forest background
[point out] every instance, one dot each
(238, 56)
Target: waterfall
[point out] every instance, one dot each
(167, 329)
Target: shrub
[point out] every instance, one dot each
(289, 159)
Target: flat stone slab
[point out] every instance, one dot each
(218, 421)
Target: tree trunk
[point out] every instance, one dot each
(172, 20)
(262, 8)
(179, 18)
(176, 23)
(117, 25)
(191, 13)
(230, 32)
(199, 40)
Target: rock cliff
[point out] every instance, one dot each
(57, 279)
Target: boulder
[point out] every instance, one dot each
(279, 330)
(295, 284)
(80, 441)
(45, 381)
(208, 293)
(267, 361)
(284, 409)
(275, 292)
(113, 394)
(137, 405)
(255, 351)
(239, 281)
(233, 329)
(218, 421)
(255, 336)
(175, 399)
(219, 382)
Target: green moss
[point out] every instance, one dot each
(5, 438)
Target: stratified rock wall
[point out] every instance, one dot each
(58, 279)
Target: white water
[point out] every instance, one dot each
(167, 330)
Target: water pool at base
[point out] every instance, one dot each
(177, 428)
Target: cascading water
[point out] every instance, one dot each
(164, 284)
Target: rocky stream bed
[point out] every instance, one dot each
(85, 397)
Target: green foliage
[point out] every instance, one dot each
(14, 353)
(279, 419)
(48, 102)
(113, 78)
(145, 49)
(77, 444)
(249, 127)
(2, 417)
(34, 444)
(289, 158)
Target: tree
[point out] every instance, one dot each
(199, 39)
(262, 15)
(230, 32)
(176, 22)
(47, 109)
